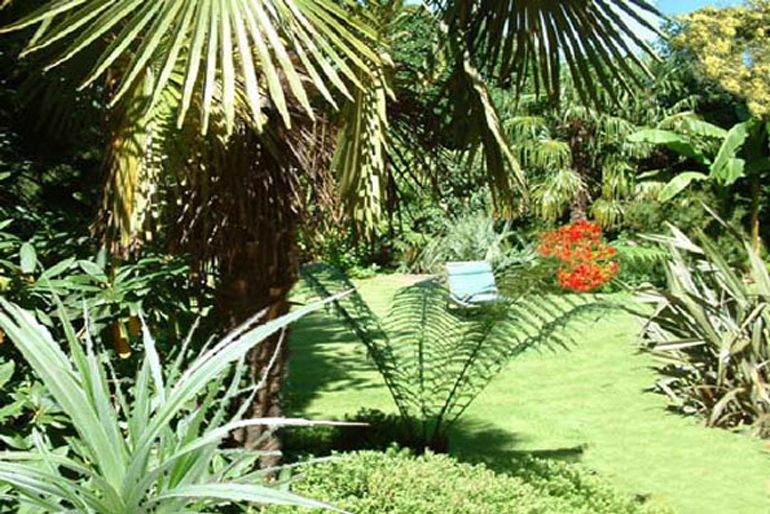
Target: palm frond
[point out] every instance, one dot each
(597, 39)
(360, 159)
(476, 122)
(269, 46)
(554, 194)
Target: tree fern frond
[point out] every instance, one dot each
(436, 359)
(641, 255)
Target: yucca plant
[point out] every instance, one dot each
(153, 448)
(711, 329)
(436, 359)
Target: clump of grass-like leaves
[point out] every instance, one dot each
(711, 330)
(152, 448)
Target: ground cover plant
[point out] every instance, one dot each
(396, 481)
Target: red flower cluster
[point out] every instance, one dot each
(585, 262)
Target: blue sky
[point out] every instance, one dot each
(685, 6)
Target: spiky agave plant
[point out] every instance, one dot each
(435, 360)
(154, 448)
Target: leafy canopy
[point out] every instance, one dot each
(733, 45)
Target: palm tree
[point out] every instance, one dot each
(579, 158)
(228, 104)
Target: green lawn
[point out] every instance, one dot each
(586, 405)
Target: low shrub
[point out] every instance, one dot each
(396, 482)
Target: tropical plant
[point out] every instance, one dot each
(711, 329)
(113, 295)
(435, 360)
(154, 447)
(744, 153)
(472, 237)
(578, 158)
(203, 95)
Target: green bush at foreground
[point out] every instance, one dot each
(395, 481)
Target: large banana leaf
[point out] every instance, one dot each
(676, 142)
(727, 166)
(679, 184)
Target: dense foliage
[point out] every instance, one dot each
(152, 446)
(733, 45)
(171, 163)
(397, 482)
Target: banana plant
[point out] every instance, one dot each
(744, 153)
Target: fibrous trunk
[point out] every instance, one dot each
(241, 217)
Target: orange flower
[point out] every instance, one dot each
(585, 263)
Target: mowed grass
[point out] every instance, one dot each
(587, 405)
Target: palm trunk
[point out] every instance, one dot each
(578, 209)
(254, 226)
(578, 135)
(258, 277)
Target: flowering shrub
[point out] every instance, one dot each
(585, 263)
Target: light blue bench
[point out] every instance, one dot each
(471, 283)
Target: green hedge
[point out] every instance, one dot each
(396, 482)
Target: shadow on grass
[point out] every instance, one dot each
(322, 361)
(319, 365)
(471, 442)
(478, 442)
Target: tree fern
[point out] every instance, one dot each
(641, 255)
(436, 359)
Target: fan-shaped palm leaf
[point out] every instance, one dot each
(266, 44)
(554, 194)
(597, 39)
